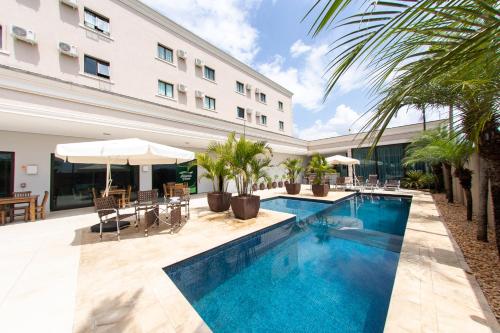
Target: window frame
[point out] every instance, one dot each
(98, 62)
(280, 105)
(238, 84)
(238, 109)
(1, 37)
(165, 84)
(95, 26)
(208, 69)
(210, 100)
(281, 125)
(263, 119)
(260, 98)
(165, 48)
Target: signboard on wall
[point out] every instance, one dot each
(185, 174)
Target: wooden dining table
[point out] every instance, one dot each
(118, 192)
(31, 201)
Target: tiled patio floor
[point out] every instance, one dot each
(58, 277)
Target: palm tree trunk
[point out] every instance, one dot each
(468, 197)
(448, 182)
(482, 216)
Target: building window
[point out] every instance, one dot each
(96, 21)
(209, 103)
(165, 89)
(281, 125)
(209, 73)
(262, 98)
(96, 67)
(165, 53)
(240, 87)
(280, 105)
(263, 120)
(240, 112)
(1, 37)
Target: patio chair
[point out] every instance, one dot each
(340, 182)
(372, 182)
(152, 217)
(182, 201)
(392, 185)
(348, 182)
(3, 214)
(23, 208)
(40, 209)
(126, 201)
(146, 200)
(108, 211)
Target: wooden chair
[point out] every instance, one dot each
(126, 201)
(108, 211)
(168, 188)
(40, 209)
(23, 208)
(2, 215)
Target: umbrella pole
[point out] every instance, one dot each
(108, 179)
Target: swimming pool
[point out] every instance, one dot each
(330, 269)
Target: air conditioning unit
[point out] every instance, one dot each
(248, 86)
(257, 91)
(199, 94)
(68, 49)
(72, 3)
(23, 34)
(249, 111)
(182, 88)
(198, 62)
(257, 114)
(181, 54)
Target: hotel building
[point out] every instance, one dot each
(81, 70)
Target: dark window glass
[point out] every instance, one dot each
(263, 120)
(262, 97)
(96, 67)
(281, 125)
(165, 89)
(96, 21)
(72, 183)
(240, 112)
(1, 36)
(165, 53)
(175, 173)
(209, 103)
(240, 87)
(6, 174)
(280, 105)
(209, 73)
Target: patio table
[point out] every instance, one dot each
(119, 193)
(31, 200)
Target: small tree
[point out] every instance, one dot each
(293, 168)
(216, 171)
(319, 166)
(258, 168)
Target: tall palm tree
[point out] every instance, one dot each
(293, 168)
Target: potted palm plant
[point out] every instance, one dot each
(293, 168)
(258, 168)
(275, 182)
(320, 167)
(242, 155)
(280, 182)
(218, 172)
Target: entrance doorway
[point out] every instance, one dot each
(6, 173)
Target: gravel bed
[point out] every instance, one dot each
(481, 257)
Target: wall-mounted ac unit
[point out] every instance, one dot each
(72, 3)
(198, 62)
(181, 54)
(23, 34)
(248, 86)
(257, 91)
(199, 94)
(257, 114)
(68, 49)
(182, 88)
(249, 111)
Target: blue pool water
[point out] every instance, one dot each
(331, 269)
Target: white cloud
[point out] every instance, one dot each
(353, 79)
(298, 48)
(306, 82)
(345, 121)
(224, 23)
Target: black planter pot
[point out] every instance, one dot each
(280, 184)
(287, 182)
(255, 187)
(219, 201)
(245, 207)
(320, 190)
(262, 186)
(274, 184)
(292, 188)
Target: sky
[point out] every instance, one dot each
(269, 36)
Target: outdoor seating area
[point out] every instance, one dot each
(23, 206)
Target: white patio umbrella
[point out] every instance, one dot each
(344, 160)
(131, 151)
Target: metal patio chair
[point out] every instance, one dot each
(108, 212)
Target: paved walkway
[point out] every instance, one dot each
(57, 277)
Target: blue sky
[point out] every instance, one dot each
(268, 35)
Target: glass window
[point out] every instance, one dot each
(1, 37)
(6, 173)
(96, 21)
(72, 183)
(263, 98)
(175, 173)
(96, 67)
(385, 161)
(165, 89)
(240, 87)
(281, 125)
(263, 120)
(209, 73)
(165, 53)
(240, 112)
(209, 103)
(280, 105)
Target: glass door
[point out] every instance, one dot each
(6, 173)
